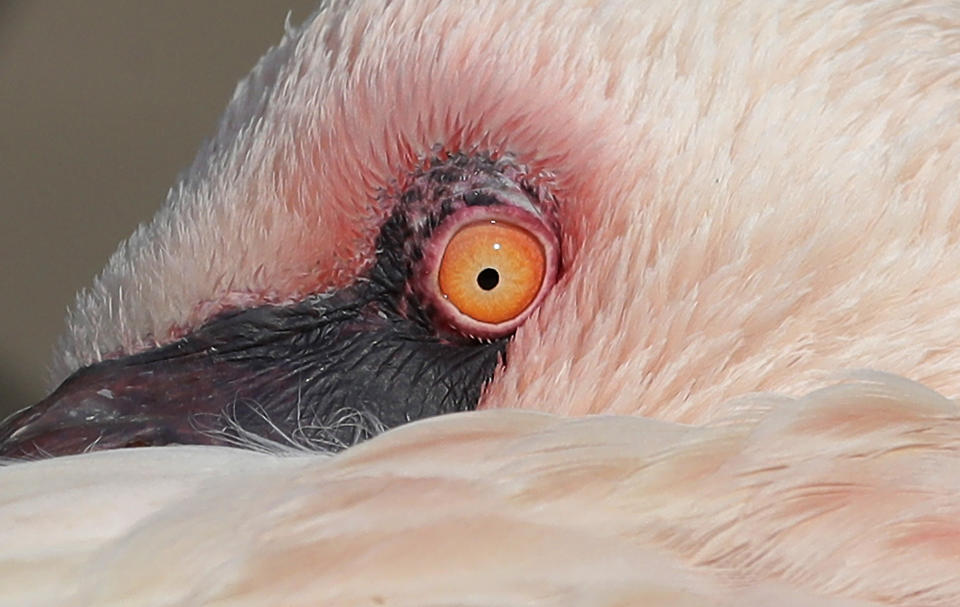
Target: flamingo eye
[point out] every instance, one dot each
(492, 271)
(489, 268)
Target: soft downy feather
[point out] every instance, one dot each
(848, 496)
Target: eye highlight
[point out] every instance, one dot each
(492, 271)
(486, 268)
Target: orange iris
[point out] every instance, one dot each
(492, 271)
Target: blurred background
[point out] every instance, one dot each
(102, 104)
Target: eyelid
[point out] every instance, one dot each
(512, 198)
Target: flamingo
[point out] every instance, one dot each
(574, 302)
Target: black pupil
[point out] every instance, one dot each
(488, 278)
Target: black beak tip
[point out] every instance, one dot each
(74, 420)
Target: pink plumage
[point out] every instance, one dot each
(758, 220)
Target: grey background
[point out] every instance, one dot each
(102, 103)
